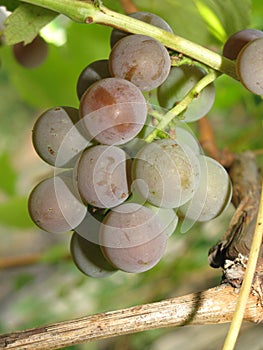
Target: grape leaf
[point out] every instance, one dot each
(25, 23)
(10, 5)
(213, 23)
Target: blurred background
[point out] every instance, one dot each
(39, 284)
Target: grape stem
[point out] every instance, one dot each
(247, 282)
(182, 105)
(95, 12)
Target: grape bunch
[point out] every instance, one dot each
(120, 194)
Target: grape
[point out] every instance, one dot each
(140, 59)
(238, 40)
(185, 136)
(55, 206)
(88, 257)
(58, 138)
(166, 173)
(31, 55)
(146, 17)
(132, 237)
(249, 66)
(113, 111)
(102, 176)
(179, 82)
(213, 194)
(168, 217)
(93, 72)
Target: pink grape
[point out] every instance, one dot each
(113, 111)
(140, 59)
(132, 237)
(103, 176)
(55, 206)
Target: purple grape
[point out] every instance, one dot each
(31, 55)
(58, 137)
(140, 59)
(249, 66)
(113, 111)
(132, 238)
(93, 72)
(238, 40)
(88, 257)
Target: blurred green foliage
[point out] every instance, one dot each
(54, 289)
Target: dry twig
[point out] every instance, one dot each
(213, 306)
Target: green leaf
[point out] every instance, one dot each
(8, 175)
(213, 23)
(232, 16)
(14, 213)
(10, 5)
(25, 23)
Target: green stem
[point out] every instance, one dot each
(86, 12)
(78, 11)
(181, 106)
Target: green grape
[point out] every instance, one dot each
(213, 194)
(166, 173)
(178, 83)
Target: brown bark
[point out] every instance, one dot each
(213, 306)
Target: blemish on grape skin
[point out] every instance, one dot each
(51, 151)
